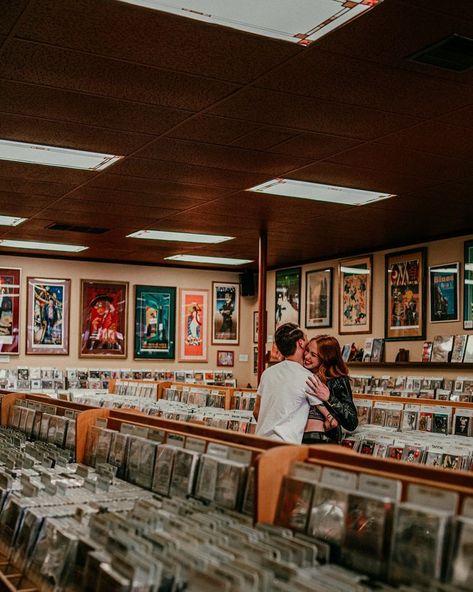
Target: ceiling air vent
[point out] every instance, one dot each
(453, 53)
(77, 228)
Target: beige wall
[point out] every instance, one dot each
(438, 252)
(135, 274)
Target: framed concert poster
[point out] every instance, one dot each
(225, 313)
(355, 295)
(318, 298)
(468, 286)
(225, 358)
(155, 322)
(287, 297)
(10, 286)
(193, 323)
(444, 292)
(103, 319)
(255, 326)
(405, 295)
(47, 316)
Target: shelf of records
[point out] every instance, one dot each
(444, 349)
(458, 389)
(399, 523)
(74, 527)
(35, 378)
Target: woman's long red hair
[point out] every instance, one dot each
(332, 364)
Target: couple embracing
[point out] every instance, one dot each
(306, 398)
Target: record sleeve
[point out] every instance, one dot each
(118, 452)
(134, 458)
(440, 423)
(207, 478)
(163, 469)
(184, 472)
(104, 443)
(147, 462)
(410, 417)
(230, 484)
(295, 499)
(462, 556)
(327, 514)
(442, 348)
(462, 424)
(459, 347)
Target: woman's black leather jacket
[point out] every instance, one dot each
(340, 403)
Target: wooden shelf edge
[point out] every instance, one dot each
(431, 365)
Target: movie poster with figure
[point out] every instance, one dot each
(405, 295)
(155, 320)
(318, 298)
(468, 286)
(47, 316)
(103, 319)
(225, 313)
(287, 297)
(444, 292)
(355, 297)
(193, 322)
(10, 284)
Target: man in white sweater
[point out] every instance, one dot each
(282, 405)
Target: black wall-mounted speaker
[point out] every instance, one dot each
(247, 283)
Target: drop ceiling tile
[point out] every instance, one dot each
(110, 217)
(37, 172)
(221, 157)
(70, 70)
(265, 138)
(185, 173)
(308, 114)
(18, 204)
(213, 130)
(85, 206)
(10, 11)
(315, 146)
(120, 30)
(80, 137)
(73, 107)
(30, 187)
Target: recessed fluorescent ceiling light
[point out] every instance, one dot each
(11, 220)
(204, 259)
(55, 156)
(311, 20)
(186, 237)
(319, 192)
(19, 244)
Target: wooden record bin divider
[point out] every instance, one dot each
(274, 464)
(414, 401)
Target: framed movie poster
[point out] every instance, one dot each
(226, 358)
(468, 287)
(10, 284)
(405, 295)
(255, 326)
(287, 297)
(47, 316)
(318, 298)
(193, 322)
(355, 297)
(225, 313)
(444, 292)
(103, 319)
(155, 322)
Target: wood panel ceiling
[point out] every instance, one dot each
(201, 113)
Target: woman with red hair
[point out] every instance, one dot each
(331, 384)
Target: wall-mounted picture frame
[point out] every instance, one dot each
(255, 359)
(225, 313)
(287, 296)
(255, 326)
(10, 291)
(103, 319)
(155, 323)
(444, 292)
(355, 295)
(318, 298)
(193, 323)
(405, 295)
(225, 358)
(47, 316)
(468, 286)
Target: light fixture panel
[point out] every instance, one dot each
(11, 220)
(185, 237)
(209, 260)
(34, 245)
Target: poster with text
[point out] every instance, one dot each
(155, 319)
(468, 287)
(318, 298)
(193, 322)
(444, 289)
(103, 319)
(225, 313)
(10, 284)
(47, 316)
(355, 295)
(405, 295)
(287, 297)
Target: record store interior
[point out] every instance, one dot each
(236, 295)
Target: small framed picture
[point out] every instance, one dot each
(225, 358)
(255, 326)
(255, 359)
(444, 292)
(318, 294)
